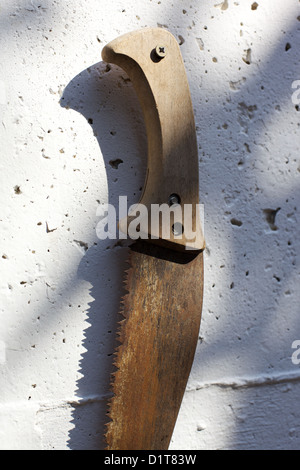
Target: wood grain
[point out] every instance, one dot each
(163, 90)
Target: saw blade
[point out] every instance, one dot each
(158, 337)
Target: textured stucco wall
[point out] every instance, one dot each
(65, 119)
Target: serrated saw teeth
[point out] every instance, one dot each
(118, 349)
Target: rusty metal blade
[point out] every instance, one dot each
(158, 336)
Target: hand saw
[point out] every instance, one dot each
(164, 283)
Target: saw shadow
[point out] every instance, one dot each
(114, 114)
(111, 126)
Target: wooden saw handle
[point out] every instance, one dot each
(152, 59)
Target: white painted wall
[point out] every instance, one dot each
(64, 117)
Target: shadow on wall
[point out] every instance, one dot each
(104, 96)
(114, 114)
